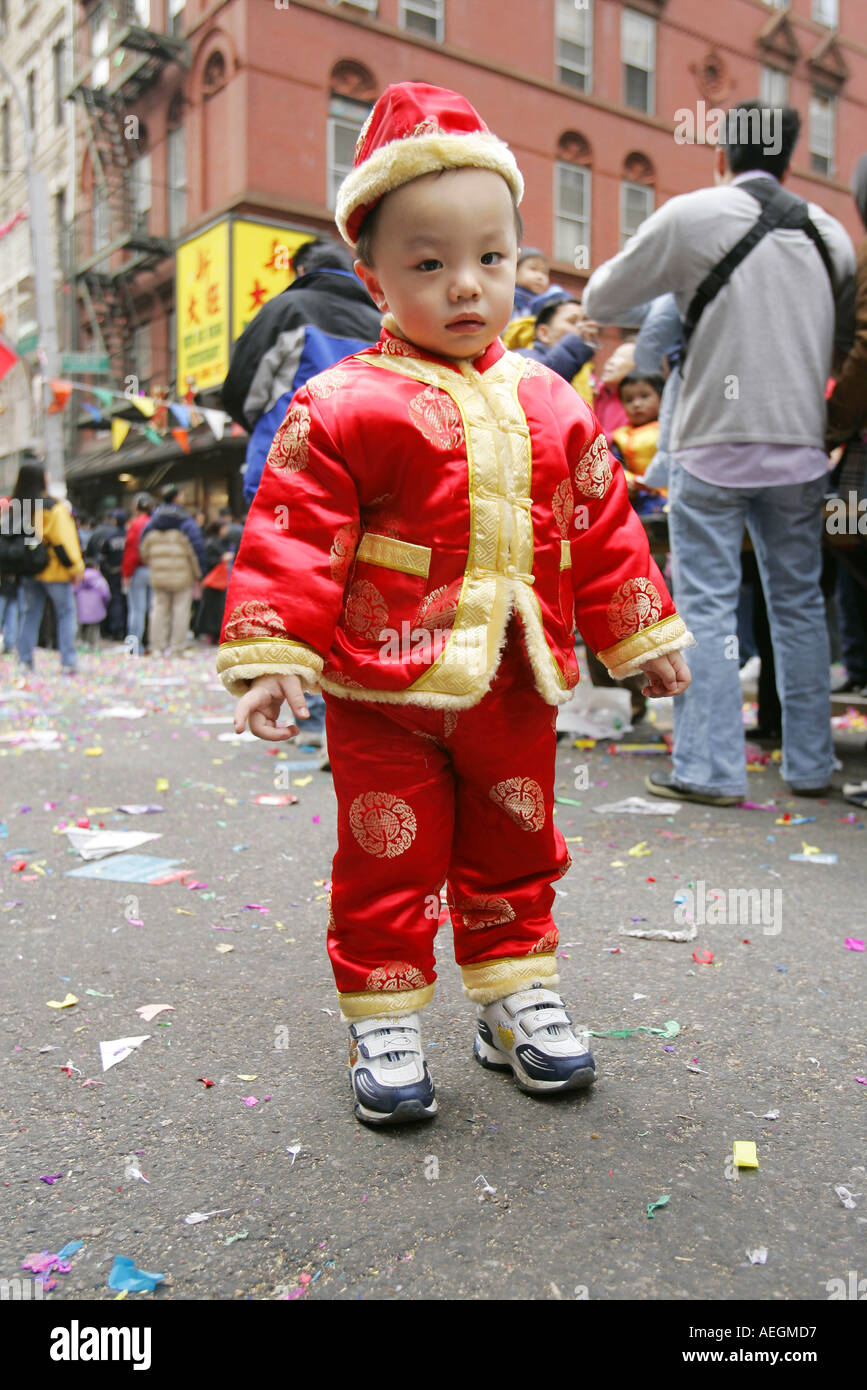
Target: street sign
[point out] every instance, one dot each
(28, 343)
(94, 362)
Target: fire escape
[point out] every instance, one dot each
(115, 60)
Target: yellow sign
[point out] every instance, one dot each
(261, 260)
(214, 309)
(203, 322)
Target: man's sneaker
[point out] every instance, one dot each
(530, 1034)
(388, 1072)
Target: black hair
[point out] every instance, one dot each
(635, 377)
(760, 137)
(323, 253)
(30, 483)
(547, 312)
(169, 493)
(367, 231)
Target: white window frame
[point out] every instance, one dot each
(831, 107)
(584, 7)
(430, 9)
(626, 16)
(778, 4)
(626, 185)
(101, 71)
(561, 218)
(142, 10)
(141, 190)
(349, 115)
(100, 217)
(143, 353)
(371, 6)
(771, 81)
(819, 12)
(177, 186)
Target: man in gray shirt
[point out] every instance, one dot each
(747, 445)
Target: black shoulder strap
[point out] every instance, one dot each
(780, 208)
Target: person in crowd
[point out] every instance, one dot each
(635, 444)
(171, 545)
(8, 591)
(135, 574)
(747, 438)
(847, 422)
(565, 340)
(110, 560)
(85, 525)
(208, 618)
(234, 529)
(57, 546)
(92, 599)
(465, 463)
(607, 405)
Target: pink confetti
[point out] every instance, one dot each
(249, 1101)
(862, 1080)
(256, 907)
(315, 819)
(853, 944)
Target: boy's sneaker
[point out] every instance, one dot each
(388, 1072)
(530, 1034)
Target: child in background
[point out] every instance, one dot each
(607, 405)
(438, 487)
(635, 444)
(92, 597)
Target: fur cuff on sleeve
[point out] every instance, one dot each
(628, 657)
(239, 664)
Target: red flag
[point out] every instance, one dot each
(7, 359)
(61, 390)
(182, 436)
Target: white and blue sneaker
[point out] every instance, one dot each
(530, 1034)
(388, 1072)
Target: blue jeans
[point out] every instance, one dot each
(32, 594)
(316, 723)
(9, 620)
(138, 601)
(706, 526)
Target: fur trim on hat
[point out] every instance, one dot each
(401, 161)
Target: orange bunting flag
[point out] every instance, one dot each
(61, 391)
(183, 438)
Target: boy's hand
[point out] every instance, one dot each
(262, 704)
(666, 675)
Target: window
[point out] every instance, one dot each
(141, 192)
(60, 226)
(821, 134)
(175, 16)
(141, 13)
(638, 55)
(826, 12)
(423, 17)
(773, 88)
(636, 203)
(172, 317)
(31, 103)
(98, 22)
(369, 5)
(345, 119)
(7, 136)
(100, 218)
(58, 58)
(574, 21)
(142, 354)
(778, 4)
(177, 172)
(572, 215)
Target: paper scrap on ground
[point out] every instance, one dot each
(148, 1011)
(814, 857)
(196, 1216)
(65, 1003)
(639, 806)
(670, 1030)
(117, 1049)
(660, 1202)
(847, 1197)
(657, 934)
(121, 712)
(744, 1153)
(97, 844)
(33, 740)
(125, 1276)
(758, 1257)
(141, 810)
(126, 868)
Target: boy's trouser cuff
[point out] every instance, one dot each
(368, 1004)
(494, 979)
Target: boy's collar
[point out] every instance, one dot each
(393, 343)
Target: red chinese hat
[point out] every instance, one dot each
(415, 129)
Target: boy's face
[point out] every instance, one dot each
(640, 402)
(533, 275)
(444, 253)
(568, 318)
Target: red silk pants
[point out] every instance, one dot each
(428, 796)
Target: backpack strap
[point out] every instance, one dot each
(780, 208)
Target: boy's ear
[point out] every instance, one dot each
(367, 275)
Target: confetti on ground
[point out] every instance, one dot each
(148, 1011)
(118, 1049)
(758, 1257)
(66, 1003)
(125, 1276)
(744, 1154)
(197, 1216)
(655, 1206)
(854, 944)
(658, 934)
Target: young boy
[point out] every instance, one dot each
(635, 444)
(413, 551)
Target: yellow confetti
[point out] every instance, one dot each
(638, 851)
(185, 912)
(301, 781)
(617, 864)
(755, 767)
(162, 784)
(809, 849)
(224, 949)
(36, 869)
(66, 1003)
(319, 897)
(97, 810)
(584, 743)
(247, 1077)
(744, 1154)
(93, 752)
(573, 839)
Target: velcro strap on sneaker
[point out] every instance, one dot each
(543, 1018)
(380, 1044)
(530, 999)
(375, 1023)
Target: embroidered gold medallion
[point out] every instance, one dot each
(593, 469)
(563, 507)
(480, 911)
(547, 943)
(366, 610)
(325, 384)
(634, 605)
(522, 800)
(397, 976)
(255, 618)
(436, 415)
(343, 551)
(383, 824)
(289, 451)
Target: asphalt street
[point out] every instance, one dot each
(503, 1195)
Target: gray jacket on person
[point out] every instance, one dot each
(761, 355)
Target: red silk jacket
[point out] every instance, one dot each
(409, 505)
